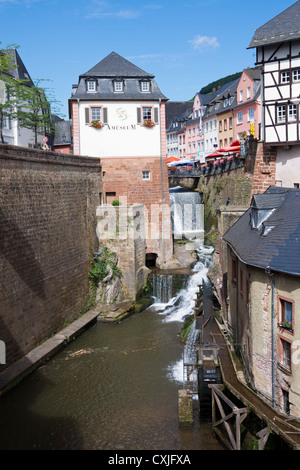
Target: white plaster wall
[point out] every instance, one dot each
(288, 166)
(123, 136)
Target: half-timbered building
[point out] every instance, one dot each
(277, 46)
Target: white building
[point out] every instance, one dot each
(13, 132)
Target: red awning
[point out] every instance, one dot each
(215, 155)
(230, 149)
(172, 159)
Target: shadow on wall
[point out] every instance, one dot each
(20, 255)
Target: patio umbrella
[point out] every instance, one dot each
(172, 159)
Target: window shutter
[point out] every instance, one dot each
(87, 115)
(104, 115)
(139, 115)
(156, 116)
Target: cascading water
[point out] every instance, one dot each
(182, 304)
(187, 212)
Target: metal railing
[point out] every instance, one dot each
(209, 170)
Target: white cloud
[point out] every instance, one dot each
(204, 42)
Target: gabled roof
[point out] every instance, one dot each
(114, 65)
(177, 109)
(284, 27)
(275, 242)
(20, 71)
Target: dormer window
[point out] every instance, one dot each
(91, 86)
(145, 87)
(118, 86)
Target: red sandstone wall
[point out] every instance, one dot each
(124, 177)
(264, 174)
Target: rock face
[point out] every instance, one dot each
(110, 291)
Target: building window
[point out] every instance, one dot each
(240, 117)
(286, 401)
(225, 124)
(95, 114)
(292, 112)
(241, 95)
(147, 114)
(296, 75)
(281, 113)
(145, 87)
(91, 86)
(251, 114)
(146, 175)
(248, 93)
(285, 76)
(285, 355)
(118, 86)
(220, 126)
(230, 123)
(286, 312)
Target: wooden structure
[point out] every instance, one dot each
(228, 431)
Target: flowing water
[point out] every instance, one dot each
(115, 387)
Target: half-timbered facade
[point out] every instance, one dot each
(277, 46)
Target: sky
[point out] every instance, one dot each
(186, 45)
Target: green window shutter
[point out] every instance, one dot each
(156, 116)
(139, 115)
(87, 115)
(104, 115)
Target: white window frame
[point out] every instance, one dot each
(145, 87)
(292, 112)
(146, 113)
(95, 113)
(285, 76)
(146, 175)
(251, 115)
(248, 92)
(118, 86)
(281, 113)
(241, 95)
(240, 117)
(91, 86)
(296, 75)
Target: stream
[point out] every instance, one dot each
(115, 387)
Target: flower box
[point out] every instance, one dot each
(148, 123)
(96, 124)
(286, 326)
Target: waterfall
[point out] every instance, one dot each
(162, 288)
(182, 305)
(187, 214)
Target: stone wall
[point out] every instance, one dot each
(122, 231)
(47, 234)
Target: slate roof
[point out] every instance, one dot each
(275, 244)
(114, 65)
(19, 72)
(177, 109)
(284, 27)
(111, 67)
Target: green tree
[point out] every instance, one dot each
(8, 87)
